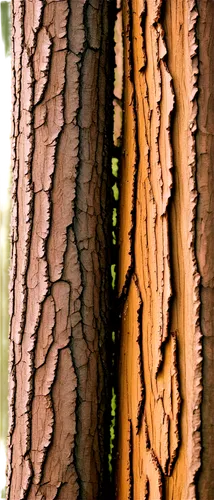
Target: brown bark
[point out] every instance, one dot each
(205, 235)
(59, 250)
(160, 375)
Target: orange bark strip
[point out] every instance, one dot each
(130, 464)
(128, 168)
(157, 247)
(59, 252)
(186, 305)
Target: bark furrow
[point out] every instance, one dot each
(59, 249)
(204, 234)
(157, 234)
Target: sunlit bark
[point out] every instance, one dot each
(164, 254)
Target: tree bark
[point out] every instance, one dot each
(205, 235)
(165, 237)
(59, 306)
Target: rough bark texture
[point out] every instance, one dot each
(59, 251)
(205, 235)
(160, 387)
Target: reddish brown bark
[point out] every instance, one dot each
(205, 235)
(59, 252)
(160, 268)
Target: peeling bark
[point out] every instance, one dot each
(59, 283)
(157, 254)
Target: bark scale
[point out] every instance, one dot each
(162, 251)
(59, 249)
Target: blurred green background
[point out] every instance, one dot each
(5, 26)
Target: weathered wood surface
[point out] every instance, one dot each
(60, 258)
(160, 361)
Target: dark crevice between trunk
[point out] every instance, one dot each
(114, 304)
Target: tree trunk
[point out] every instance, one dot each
(165, 241)
(205, 235)
(60, 259)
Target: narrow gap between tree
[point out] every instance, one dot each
(117, 133)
